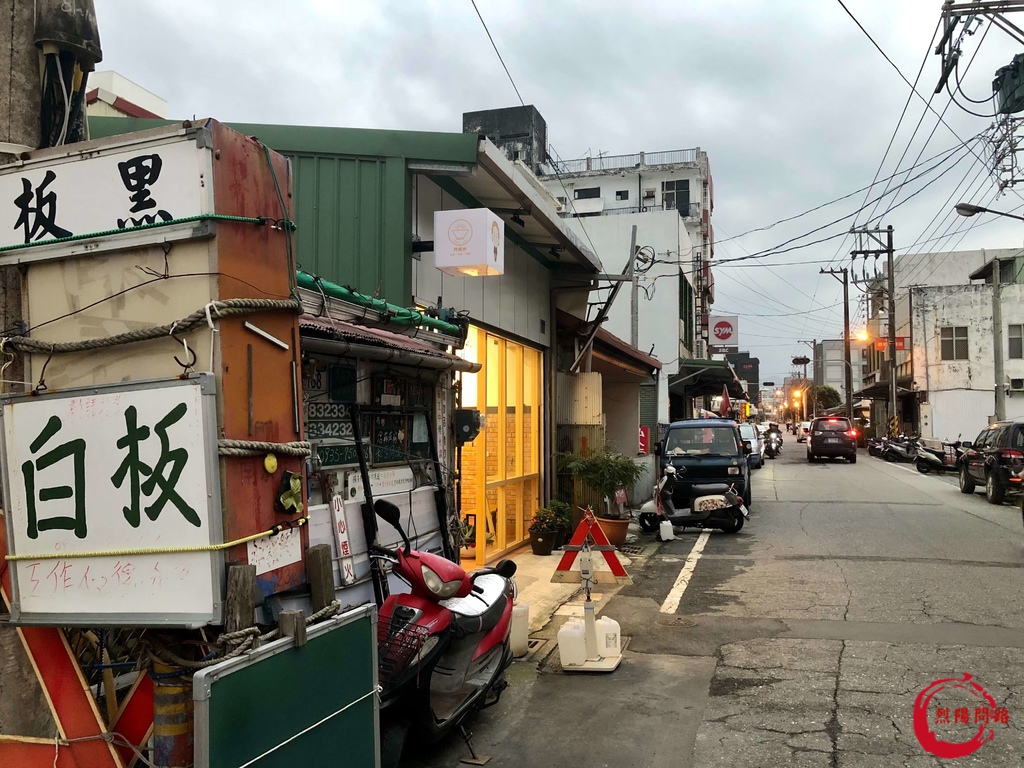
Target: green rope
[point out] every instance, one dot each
(203, 217)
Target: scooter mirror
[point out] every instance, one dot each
(392, 514)
(966, 444)
(388, 512)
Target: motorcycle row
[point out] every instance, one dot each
(910, 450)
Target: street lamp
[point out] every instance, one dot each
(968, 209)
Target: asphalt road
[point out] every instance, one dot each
(803, 640)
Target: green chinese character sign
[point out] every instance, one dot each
(128, 468)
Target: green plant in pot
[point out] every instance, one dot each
(606, 471)
(542, 532)
(563, 518)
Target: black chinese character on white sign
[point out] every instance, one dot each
(38, 210)
(138, 174)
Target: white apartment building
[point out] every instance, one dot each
(669, 197)
(953, 353)
(911, 270)
(830, 365)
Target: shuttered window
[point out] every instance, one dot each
(1016, 338)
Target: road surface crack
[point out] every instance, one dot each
(833, 728)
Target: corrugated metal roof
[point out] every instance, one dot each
(326, 328)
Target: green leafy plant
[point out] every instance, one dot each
(543, 521)
(563, 514)
(604, 471)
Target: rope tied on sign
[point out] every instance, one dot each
(244, 448)
(225, 308)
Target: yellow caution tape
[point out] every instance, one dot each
(297, 523)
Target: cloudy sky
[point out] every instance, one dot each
(792, 102)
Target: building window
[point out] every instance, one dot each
(676, 194)
(1016, 337)
(954, 342)
(622, 194)
(588, 193)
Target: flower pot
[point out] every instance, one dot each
(615, 530)
(542, 542)
(561, 536)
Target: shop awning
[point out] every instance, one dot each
(336, 337)
(880, 389)
(699, 376)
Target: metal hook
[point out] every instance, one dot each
(189, 366)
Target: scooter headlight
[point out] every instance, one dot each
(443, 589)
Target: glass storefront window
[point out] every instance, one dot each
(501, 468)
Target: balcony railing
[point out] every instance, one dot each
(691, 211)
(617, 162)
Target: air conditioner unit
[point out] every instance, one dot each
(649, 194)
(1017, 385)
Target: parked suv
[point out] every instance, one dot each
(713, 454)
(832, 436)
(994, 459)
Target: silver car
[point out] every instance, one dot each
(751, 433)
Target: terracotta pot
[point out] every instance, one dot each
(542, 542)
(615, 530)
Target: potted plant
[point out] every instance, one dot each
(563, 519)
(542, 532)
(606, 472)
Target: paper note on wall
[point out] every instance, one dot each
(272, 552)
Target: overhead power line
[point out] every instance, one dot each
(495, 47)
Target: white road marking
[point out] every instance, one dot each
(675, 594)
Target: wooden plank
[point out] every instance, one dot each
(320, 575)
(240, 603)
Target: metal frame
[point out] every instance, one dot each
(203, 680)
(207, 385)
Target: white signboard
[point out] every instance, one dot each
(81, 194)
(127, 469)
(725, 330)
(469, 242)
(382, 481)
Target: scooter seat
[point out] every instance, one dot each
(482, 608)
(710, 489)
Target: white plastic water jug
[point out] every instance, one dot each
(665, 532)
(572, 642)
(520, 634)
(609, 637)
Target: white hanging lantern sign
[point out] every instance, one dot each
(469, 242)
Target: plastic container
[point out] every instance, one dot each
(572, 643)
(520, 634)
(665, 532)
(609, 637)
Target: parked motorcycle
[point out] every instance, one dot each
(443, 648)
(946, 459)
(901, 449)
(876, 445)
(712, 506)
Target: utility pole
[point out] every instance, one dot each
(634, 310)
(997, 339)
(884, 248)
(848, 374)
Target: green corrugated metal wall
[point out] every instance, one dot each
(352, 195)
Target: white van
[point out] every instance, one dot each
(802, 431)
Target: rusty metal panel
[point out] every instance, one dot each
(578, 399)
(253, 262)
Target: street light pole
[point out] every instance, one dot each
(846, 334)
(966, 209)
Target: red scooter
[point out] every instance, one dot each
(443, 648)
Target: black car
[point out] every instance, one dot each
(713, 454)
(832, 436)
(994, 460)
